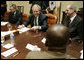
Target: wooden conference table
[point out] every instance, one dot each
(21, 40)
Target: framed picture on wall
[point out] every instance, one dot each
(21, 8)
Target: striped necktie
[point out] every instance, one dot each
(35, 21)
(69, 23)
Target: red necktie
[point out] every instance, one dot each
(69, 23)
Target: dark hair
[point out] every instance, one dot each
(13, 5)
(57, 35)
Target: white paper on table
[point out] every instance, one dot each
(24, 29)
(33, 47)
(81, 54)
(4, 23)
(43, 40)
(9, 52)
(7, 46)
(7, 33)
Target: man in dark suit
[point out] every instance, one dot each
(37, 20)
(3, 7)
(15, 16)
(74, 23)
(57, 37)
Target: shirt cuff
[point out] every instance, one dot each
(40, 27)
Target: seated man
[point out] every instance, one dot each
(37, 20)
(57, 37)
(15, 16)
(74, 23)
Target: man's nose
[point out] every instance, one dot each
(35, 13)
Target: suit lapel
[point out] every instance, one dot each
(39, 19)
(33, 20)
(73, 22)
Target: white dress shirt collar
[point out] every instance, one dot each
(73, 17)
(14, 12)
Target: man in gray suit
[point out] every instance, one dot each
(74, 23)
(57, 37)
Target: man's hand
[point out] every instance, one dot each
(20, 26)
(35, 28)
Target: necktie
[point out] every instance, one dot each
(35, 21)
(69, 22)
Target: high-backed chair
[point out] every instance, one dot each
(6, 15)
(52, 19)
(25, 17)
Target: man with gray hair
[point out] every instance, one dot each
(37, 20)
(74, 23)
(40, 3)
(15, 16)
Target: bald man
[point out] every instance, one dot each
(37, 20)
(57, 37)
(74, 23)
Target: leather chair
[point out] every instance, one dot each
(52, 19)
(25, 17)
(6, 15)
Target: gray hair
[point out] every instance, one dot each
(13, 5)
(73, 7)
(36, 5)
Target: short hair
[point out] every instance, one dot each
(37, 6)
(73, 7)
(13, 5)
(57, 36)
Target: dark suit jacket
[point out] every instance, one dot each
(15, 18)
(2, 18)
(42, 21)
(4, 8)
(76, 28)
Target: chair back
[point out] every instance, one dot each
(6, 15)
(52, 19)
(25, 17)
